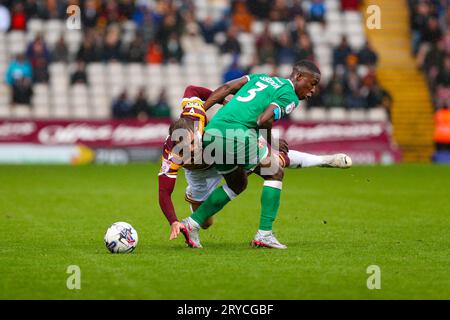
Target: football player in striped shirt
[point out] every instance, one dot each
(203, 179)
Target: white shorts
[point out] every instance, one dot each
(201, 183)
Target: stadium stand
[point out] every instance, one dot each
(155, 48)
(430, 34)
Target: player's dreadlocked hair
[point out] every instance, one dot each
(305, 66)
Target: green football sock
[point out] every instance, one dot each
(213, 204)
(270, 202)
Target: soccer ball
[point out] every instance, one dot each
(121, 237)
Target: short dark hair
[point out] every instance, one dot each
(306, 65)
(182, 123)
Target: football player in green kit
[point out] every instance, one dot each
(232, 142)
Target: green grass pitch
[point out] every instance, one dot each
(335, 222)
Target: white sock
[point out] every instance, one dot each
(264, 232)
(304, 160)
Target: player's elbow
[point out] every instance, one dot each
(264, 122)
(226, 89)
(164, 195)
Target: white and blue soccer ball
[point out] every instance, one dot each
(121, 237)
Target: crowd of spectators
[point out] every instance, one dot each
(163, 27)
(430, 27)
(140, 108)
(348, 88)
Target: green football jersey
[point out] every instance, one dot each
(251, 101)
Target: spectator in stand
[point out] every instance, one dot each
(5, 18)
(112, 45)
(367, 56)
(38, 50)
(139, 14)
(419, 20)
(172, 50)
(209, 29)
(304, 49)
(141, 107)
(295, 10)
(90, 13)
(39, 57)
(234, 71)
(443, 85)
(441, 136)
(241, 16)
(154, 53)
(231, 44)
(147, 28)
(88, 51)
(109, 13)
(279, 11)
(19, 76)
(18, 69)
(191, 26)
(446, 40)
(79, 75)
(317, 11)
(285, 53)
(350, 5)
(136, 51)
(334, 96)
(430, 35)
(34, 9)
(355, 100)
(297, 28)
(351, 79)
(18, 17)
(161, 109)
(121, 107)
(126, 9)
(266, 46)
(433, 62)
(341, 53)
(60, 52)
(379, 97)
(55, 9)
(260, 8)
(191, 40)
(445, 19)
(171, 24)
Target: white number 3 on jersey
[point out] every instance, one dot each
(252, 92)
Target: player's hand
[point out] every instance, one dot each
(175, 230)
(283, 146)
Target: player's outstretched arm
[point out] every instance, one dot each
(195, 91)
(166, 187)
(219, 95)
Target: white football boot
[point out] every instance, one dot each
(339, 160)
(190, 232)
(267, 239)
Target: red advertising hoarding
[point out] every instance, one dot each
(366, 142)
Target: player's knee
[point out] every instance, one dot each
(238, 188)
(278, 176)
(237, 181)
